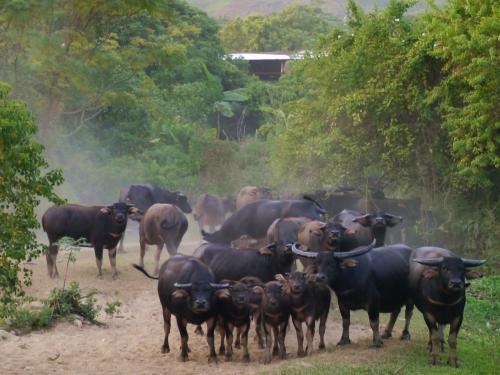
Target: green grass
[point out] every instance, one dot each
(478, 342)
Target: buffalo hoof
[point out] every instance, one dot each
(165, 349)
(282, 355)
(222, 350)
(115, 276)
(405, 336)
(267, 359)
(301, 353)
(453, 362)
(229, 357)
(377, 344)
(344, 341)
(212, 359)
(183, 358)
(386, 335)
(321, 346)
(246, 358)
(276, 351)
(99, 276)
(435, 360)
(237, 345)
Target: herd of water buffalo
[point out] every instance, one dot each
(247, 270)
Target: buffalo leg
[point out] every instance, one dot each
(98, 260)
(300, 337)
(222, 333)
(51, 257)
(441, 337)
(373, 315)
(405, 335)
(229, 337)
(322, 329)
(452, 341)
(159, 248)
(276, 348)
(259, 330)
(281, 339)
(244, 342)
(166, 326)
(310, 334)
(142, 244)
(184, 338)
(434, 338)
(212, 357)
(120, 244)
(390, 326)
(237, 342)
(112, 262)
(346, 321)
(268, 335)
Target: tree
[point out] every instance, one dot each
(24, 180)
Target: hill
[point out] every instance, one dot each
(241, 8)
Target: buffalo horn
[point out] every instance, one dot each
(473, 262)
(433, 262)
(219, 286)
(354, 253)
(183, 286)
(305, 254)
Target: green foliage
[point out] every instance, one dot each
(296, 28)
(25, 320)
(112, 308)
(66, 302)
(465, 39)
(24, 181)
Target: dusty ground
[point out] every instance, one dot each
(130, 342)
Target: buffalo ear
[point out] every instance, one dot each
(429, 273)
(106, 210)
(222, 294)
(392, 220)
(134, 210)
(350, 231)
(365, 220)
(348, 263)
(472, 274)
(180, 293)
(265, 251)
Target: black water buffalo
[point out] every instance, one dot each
(376, 281)
(235, 308)
(309, 302)
(437, 282)
(362, 229)
(275, 315)
(234, 264)
(255, 218)
(162, 224)
(187, 289)
(101, 226)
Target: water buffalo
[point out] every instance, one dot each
(250, 194)
(235, 308)
(362, 229)
(162, 224)
(144, 196)
(275, 316)
(233, 264)
(255, 218)
(101, 226)
(209, 211)
(376, 281)
(187, 289)
(437, 282)
(309, 302)
(284, 231)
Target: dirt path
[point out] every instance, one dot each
(130, 343)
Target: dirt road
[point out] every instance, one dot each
(130, 342)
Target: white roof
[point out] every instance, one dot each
(258, 56)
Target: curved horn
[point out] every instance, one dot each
(356, 252)
(183, 286)
(432, 262)
(219, 286)
(473, 262)
(305, 254)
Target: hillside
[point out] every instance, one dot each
(241, 8)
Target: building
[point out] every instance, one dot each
(267, 66)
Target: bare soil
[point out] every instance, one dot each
(130, 342)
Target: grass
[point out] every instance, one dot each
(478, 343)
